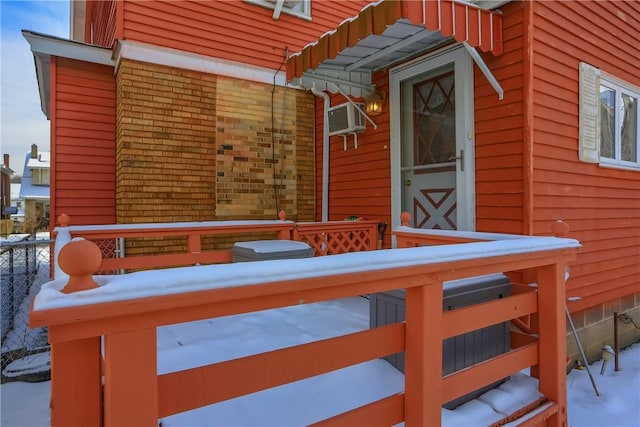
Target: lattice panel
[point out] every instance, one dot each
(338, 242)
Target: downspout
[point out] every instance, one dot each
(325, 152)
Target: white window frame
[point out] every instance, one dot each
(591, 80)
(279, 6)
(41, 177)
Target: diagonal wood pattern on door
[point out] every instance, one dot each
(435, 208)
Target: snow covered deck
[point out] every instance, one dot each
(126, 310)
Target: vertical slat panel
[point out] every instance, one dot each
(131, 381)
(76, 386)
(423, 355)
(552, 341)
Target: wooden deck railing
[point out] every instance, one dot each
(103, 339)
(325, 238)
(339, 237)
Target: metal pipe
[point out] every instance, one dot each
(616, 344)
(584, 358)
(325, 152)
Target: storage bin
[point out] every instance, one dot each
(463, 350)
(261, 250)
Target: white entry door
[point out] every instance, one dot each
(432, 141)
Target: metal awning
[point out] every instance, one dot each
(386, 33)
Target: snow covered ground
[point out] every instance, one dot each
(200, 343)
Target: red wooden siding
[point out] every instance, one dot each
(232, 30)
(103, 22)
(499, 133)
(83, 142)
(601, 205)
(360, 181)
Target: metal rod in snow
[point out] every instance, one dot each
(616, 344)
(584, 358)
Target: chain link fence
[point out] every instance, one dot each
(25, 262)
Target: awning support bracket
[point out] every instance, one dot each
(277, 9)
(485, 70)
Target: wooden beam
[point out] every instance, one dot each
(193, 388)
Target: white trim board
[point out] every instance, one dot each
(137, 51)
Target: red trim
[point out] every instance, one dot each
(478, 27)
(119, 35)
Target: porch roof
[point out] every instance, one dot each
(386, 33)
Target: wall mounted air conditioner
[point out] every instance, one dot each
(345, 119)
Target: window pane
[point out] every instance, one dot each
(607, 122)
(629, 128)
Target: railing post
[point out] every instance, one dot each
(284, 235)
(76, 386)
(76, 377)
(194, 244)
(552, 339)
(131, 379)
(423, 355)
(405, 219)
(63, 236)
(375, 237)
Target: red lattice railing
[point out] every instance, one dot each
(326, 238)
(337, 237)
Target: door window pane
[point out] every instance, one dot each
(434, 120)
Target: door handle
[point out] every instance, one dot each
(461, 158)
(407, 182)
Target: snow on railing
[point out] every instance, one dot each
(326, 238)
(123, 312)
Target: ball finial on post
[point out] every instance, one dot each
(560, 228)
(405, 219)
(79, 258)
(282, 216)
(64, 220)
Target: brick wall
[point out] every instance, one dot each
(305, 157)
(264, 151)
(595, 327)
(165, 150)
(192, 146)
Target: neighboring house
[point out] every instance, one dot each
(503, 116)
(18, 204)
(34, 190)
(6, 225)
